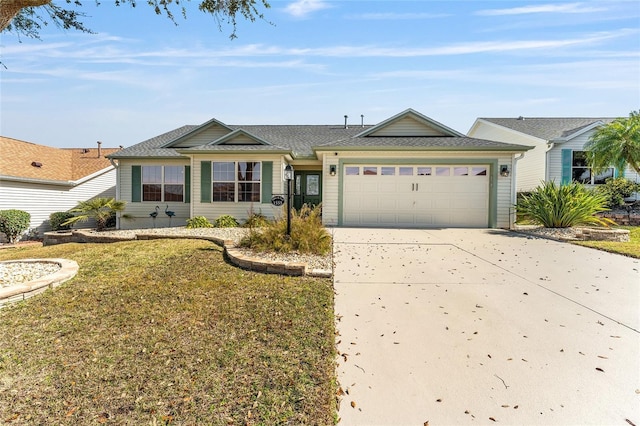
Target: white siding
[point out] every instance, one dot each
(40, 200)
(407, 127)
(330, 202)
(531, 168)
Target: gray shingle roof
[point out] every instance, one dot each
(547, 128)
(436, 143)
(301, 140)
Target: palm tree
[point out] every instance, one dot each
(100, 209)
(615, 144)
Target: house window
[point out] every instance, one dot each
(236, 181)
(581, 173)
(163, 183)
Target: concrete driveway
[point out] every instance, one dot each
(470, 326)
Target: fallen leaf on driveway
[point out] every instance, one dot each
(353, 404)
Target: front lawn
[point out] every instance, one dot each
(165, 332)
(632, 248)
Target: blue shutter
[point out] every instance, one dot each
(205, 181)
(567, 158)
(267, 181)
(136, 184)
(187, 184)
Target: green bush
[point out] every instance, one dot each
(13, 223)
(308, 235)
(198, 222)
(554, 206)
(56, 220)
(256, 220)
(226, 221)
(616, 190)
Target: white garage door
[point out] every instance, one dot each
(418, 195)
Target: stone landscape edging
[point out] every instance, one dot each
(19, 292)
(231, 253)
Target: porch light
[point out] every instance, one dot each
(332, 170)
(288, 175)
(504, 170)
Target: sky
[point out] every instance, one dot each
(314, 61)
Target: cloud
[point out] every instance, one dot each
(542, 8)
(303, 8)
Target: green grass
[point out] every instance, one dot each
(165, 332)
(632, 248)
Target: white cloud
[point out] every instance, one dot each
(303, 8)
(542, 8)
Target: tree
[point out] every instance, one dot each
(27, 17)
(100, 209)
(615, 144)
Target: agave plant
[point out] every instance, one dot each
(554, 206)
(100, 209)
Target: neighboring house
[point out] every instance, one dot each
(41, 180)
(559, 148)
(407, 171)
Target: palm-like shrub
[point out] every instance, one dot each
(308, 235)
(554, 206)
(101, 209)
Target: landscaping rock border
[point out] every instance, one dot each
(23, 291)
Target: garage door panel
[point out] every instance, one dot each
(428, 197)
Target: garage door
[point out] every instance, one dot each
(419, 195)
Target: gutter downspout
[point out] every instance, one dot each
(514, 192)
(550, 146)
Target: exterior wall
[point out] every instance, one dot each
(41, 200)
(240, 211)
(531, 168)
(331, 191)
(139, 212)
(407, 127)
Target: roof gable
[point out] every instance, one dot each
(239, 137)
(410, 123)
(200, 135)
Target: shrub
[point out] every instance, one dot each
(103, 210)
(308, 235)
(554, 206)
(56, 220)
(198, 222)
(226, 221)
(616, 190)
(256, 220)
(13, 223)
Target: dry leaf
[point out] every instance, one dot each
(492, 419)
(599, 369)
(70, 412)
(353, 404)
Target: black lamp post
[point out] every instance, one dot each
(288, 176)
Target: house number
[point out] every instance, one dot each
(277, 200)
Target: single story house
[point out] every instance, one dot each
(42, 180)
(407, 171)
(558, 154)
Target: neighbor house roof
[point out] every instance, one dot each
(26, 160)
(548, 128)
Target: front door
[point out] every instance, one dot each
(307, 189)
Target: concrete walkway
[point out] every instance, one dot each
(465, 326)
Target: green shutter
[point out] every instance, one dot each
(267, 181)
(566, 166)
(136, 184)
(205, 181)
(187, 184)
